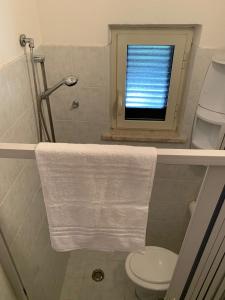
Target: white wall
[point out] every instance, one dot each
(84, 22)
(17, 17)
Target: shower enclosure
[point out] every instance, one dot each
(200, 268)
(35, 270)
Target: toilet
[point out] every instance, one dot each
(151, 270)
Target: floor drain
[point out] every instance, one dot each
(98, 275)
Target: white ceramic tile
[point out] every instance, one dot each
(61, 103)
(14, 207)
(5, 287)
(168, 211)
(28, 231)
(92, 63)
(42, 266)
(173, 192)
(78, 282)
(48, 266)
(93, 105)
(15, 94)
(22, 215)
(90, 133)
(9, 170)
(170, 236)
(51, 276)
(180, 172)
(59, 62)
(22, 131)
(66, 132)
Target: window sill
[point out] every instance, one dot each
(144, 136)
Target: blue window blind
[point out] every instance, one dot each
(148, 76)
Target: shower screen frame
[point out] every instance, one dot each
(206, 222)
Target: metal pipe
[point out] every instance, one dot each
(42, 123)
(38, 98)
(33, 95)
(45, 83)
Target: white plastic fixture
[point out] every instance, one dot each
(151, 268)
(212, 96)
(209, 126)
(209, 129)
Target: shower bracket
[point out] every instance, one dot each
(24, 41)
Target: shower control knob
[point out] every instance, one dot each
(75, 104)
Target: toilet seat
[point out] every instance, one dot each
(151, 268)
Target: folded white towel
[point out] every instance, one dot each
(96, 196)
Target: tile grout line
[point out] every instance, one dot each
(18, 229)
(12, 184)
(16, 122)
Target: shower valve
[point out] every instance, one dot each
(75, 104)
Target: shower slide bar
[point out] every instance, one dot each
(164, 156)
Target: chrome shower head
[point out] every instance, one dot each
(68, 81)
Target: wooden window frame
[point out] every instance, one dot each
(123, 36)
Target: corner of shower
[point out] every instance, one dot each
(46, 132)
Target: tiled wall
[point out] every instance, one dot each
(6, 291)
(86, 123)
(92, 118)
(174, 188)
(22, 214)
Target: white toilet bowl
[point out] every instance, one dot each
(151, 270)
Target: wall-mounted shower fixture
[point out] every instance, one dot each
(75, 104)
(68, 81)
(40, 96)
(24, 41)
(41, 60)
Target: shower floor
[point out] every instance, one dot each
(79, 285)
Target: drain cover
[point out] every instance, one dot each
(98, 275)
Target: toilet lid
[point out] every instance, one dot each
(154, 265)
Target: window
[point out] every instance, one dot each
(148, 76)
(148, 69)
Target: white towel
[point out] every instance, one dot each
(96, 196)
